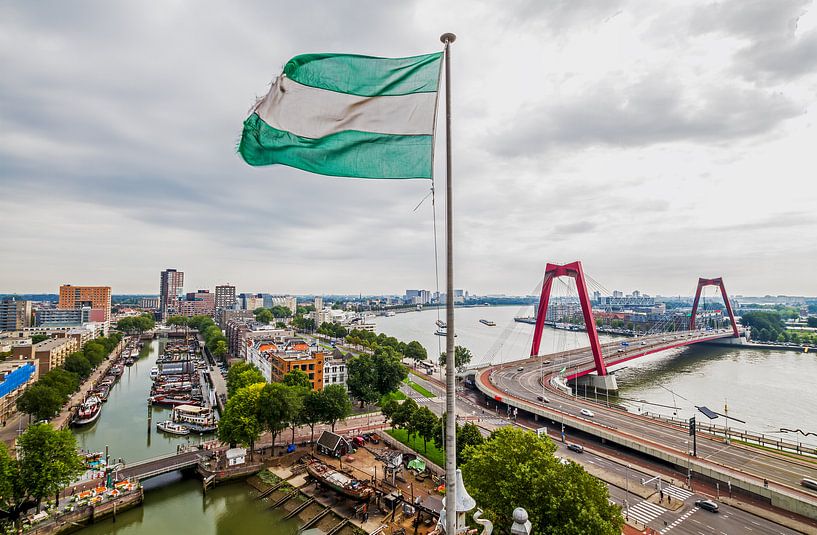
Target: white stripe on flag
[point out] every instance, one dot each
(314, 113)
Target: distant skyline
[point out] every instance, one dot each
(656, 142)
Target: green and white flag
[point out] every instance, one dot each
(348, 115)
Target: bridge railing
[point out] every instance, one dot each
(742, 435)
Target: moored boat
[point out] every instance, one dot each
(489, 323)
(339, 481)
(89, 411)
(173, 428)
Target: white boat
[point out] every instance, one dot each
(489, 323)
(443, 332)
(154, 372)
(440, 324)
(390, 314)
(89, 411)
(173, 428)
(193, 414)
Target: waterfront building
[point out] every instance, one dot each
(334, 369)
(418, 297)
(97, 298)
(632, 301)
(49, 353)
(275, 358)
(200, 303)
(15, 377)
(171, 286)
(57, 317)
(149, 303)
(14, 314)
(225, 297)
(242, 332)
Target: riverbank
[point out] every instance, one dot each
(16, 425)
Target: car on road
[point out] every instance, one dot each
(587, 412)
(578, 448)
(543, 399)
(709, 505)
(520, 369)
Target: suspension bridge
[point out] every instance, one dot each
(540, 385)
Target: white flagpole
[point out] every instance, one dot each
(450, 370)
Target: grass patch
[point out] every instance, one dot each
(433, 454)
(396, 395)
(417, 388)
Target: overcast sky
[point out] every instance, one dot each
(655, 141)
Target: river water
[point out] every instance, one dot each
(172, 504)
(768, 389)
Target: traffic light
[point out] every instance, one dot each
(692, 426)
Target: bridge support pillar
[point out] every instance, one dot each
(601, 383)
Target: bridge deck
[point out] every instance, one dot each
(162, 465)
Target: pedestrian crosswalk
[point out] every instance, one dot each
(679, 520)
(675, 492)
(645, 512)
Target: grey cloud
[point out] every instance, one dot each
(773, 51)
(580, 227)
(645, 113)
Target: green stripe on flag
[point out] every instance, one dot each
(367, 76)
(563, 370)
(350, 153)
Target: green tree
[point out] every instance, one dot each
(48, 460)
(337, 406)
(462, 356)
(242, 374)
(390, 407)
(64, 382)
(279, 311)
(278, 405)
(423, 422)
(313, 410)
(37, 338)
(297, 378)
(220, 350)
(812, 321)
(40, 401)
(370, 377)
(416, 352)
(178, 321)
(263, 315)
(467, 435)
(241, 423)
(78, 364)
(401, 418)
(515, 468)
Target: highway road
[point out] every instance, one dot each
(522, 383)
(687, 520)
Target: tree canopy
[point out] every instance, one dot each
(242, 374)
(516, 468)
(462, 356)
(337, 405)
(370, 377)
(139, 324)
(240, 423)
(47, 463)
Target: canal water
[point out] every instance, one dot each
(768, 389)
(173, 504)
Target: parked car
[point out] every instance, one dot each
(358, 441)
(587, 412)
(578, 448)
(709, 505)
